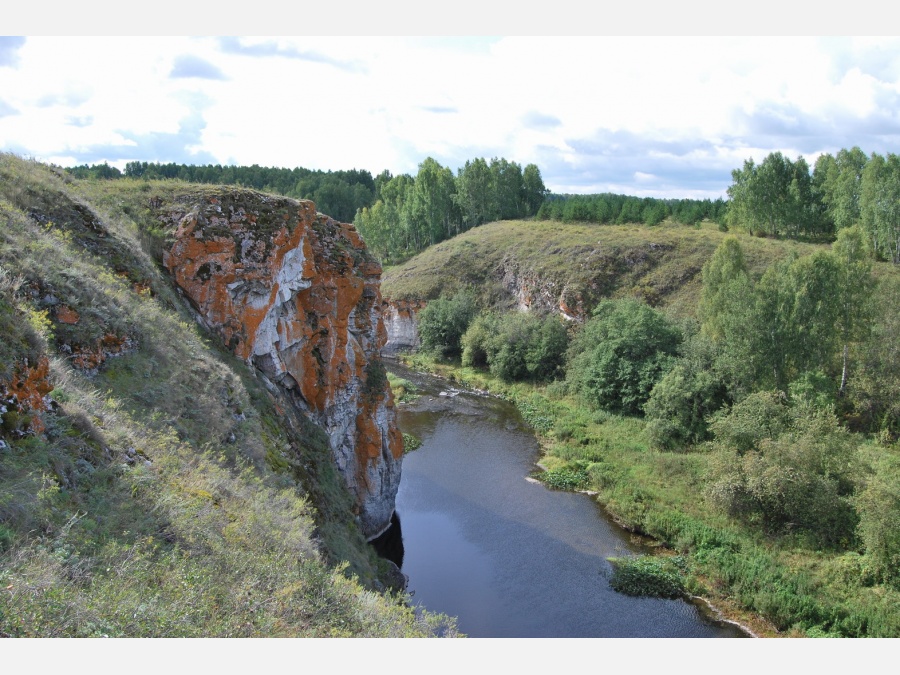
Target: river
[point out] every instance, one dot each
(499, 551)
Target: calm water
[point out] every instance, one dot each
(506, 556)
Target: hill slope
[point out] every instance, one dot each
(151, 484)
(570, 267)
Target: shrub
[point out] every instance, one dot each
(443, 322)
(620, 354)
(879, 520)
(411, 443)
(571, 478)
(516, 345)
(796, 470)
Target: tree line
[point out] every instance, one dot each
(398, 216)
(411, 213)
(781, 197)
(607, 209)
(340, 194)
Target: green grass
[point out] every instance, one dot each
(660, 265)
(167, 496)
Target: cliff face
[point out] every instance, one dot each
(297, 295)
(531, 292)
(401, 325)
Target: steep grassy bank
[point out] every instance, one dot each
(774, 585)
(150, 485)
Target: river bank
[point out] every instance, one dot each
(507, 557)
(705, 588)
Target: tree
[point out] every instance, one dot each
(620, 354)
(444, 321)
(727, 314)
(775, 197)
(476, 193)
(880, 204)
(683, 400)
(855, 311)
(879, 518)
(533, 190)
(431, 201)
(509, 185)
(838, 182)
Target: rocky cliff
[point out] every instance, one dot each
(297, 295)
(401, 325)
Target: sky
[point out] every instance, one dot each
(664, 116)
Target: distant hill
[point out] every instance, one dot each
(556, 266)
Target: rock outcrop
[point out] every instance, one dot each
(533, 293)
(401, 325)
(297, 295)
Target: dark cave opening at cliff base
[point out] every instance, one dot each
(389, 544)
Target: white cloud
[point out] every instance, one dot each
(593, 113)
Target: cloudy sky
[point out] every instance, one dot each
(660, 116)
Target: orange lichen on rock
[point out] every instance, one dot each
(90, 358)
(29, 386)
(297, 295)
(65, 314)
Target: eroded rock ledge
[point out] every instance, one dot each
(297, 295)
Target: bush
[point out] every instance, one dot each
(570, 478)
(516, 345)
(620, 355)
(879, 520)
(443, 322)
(789, 468)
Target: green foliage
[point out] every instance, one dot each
(791, 467)
(775, 197)
(404, 390)
(516, 345)
(813, 389)
(878, 504)
(535, 412)
(880, 204)
(620, 354)
(412, 213)
(803, 315)
(411, 443)
(376, 379)
(444, 321)
(647, 576)
(874, 387)
(837, 182)
(680, 405)
(570, 478)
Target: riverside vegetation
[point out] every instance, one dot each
(163, 491)
(731, 396)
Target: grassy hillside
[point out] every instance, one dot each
(163, 491)
(660, 265)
